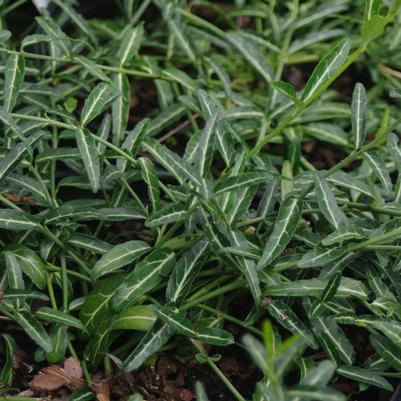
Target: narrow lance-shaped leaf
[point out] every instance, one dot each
(150, 344)
(372, 7)
(284, 228)
(149, 175)
(364, 376)
(16, 220)
(146, 275)
(130, 45)
(252, 54)
(387, 350)
(87, 148)
(327, 203)
(358, 115)
(177, 28)
(167, 215)
(33, 328)
(394, 149)
(6, 372)
(98, 100)
(56, 316)
(378, 165)
(120, 107)
(206, 146)
(326, 68)
(61, 40)
(92, 68)
(185, 272)
(14, 76)
(119, 256)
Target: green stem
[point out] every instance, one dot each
(230, 318)
(64, 282)
(218, 372)
(50, 290)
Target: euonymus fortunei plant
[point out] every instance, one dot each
(161, 166)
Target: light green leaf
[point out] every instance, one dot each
(56, 316)
(185, 271)
(92, 68)
(284, 228)
(120, 107)
(130, 44)
(241, 181)
(327, 67)
(307, 393)
(373, 28)
(87, 148)
(205, 149)
(394, 149)
(119, 256)
(358, 115)
(167, 215)
(378, 165)
(327, 203)
(149, 175)
(98, 100)
(14, 77)
(140, 317)
(364, 376)
(146, 275)
(150, 344)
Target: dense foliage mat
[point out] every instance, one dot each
(184, 165)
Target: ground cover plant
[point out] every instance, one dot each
(201, 179)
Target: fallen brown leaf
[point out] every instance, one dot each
(73, 367)
(53, 378)
(102, 391)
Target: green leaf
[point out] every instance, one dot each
(140, 317)
(6, 372)
(307, 393)
(167, 215)
(241, 181)
(390, 328)
(327, 203)
(344, 233)
(33, 329)
(98, 100)
(200, 392)
(149, 344)
(177, 166)
(364, 376)
(387, 350)
(61, 40)
(146, 275)
(149, 175)
(97, 306)
(177, 28)
(358, 115)
(16, 220)
(327, 67)
(373, 28)
(87, 148)
(82, 24)
(185, 271)
(205, 149)
(394, 149)
(284, 228)
(130, 44)
(286, 89)
(56, 316)
(214, 336)
(252, 54)
(119, 256)
(176, 320)
(315, 287)
(120, 107)
(31, 264)
(378, 165)
(14, 77)
(372, 8)
(92, 68)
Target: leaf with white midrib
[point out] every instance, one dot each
(358, 115)
(185, 271)
(379, 166)
(130, 44)
(205, 149)
(53, 315)
(33, 328)
(16, 220)
(99, 98)
(287, 221)
(87, 148)
(119, 256)
(14, 76)
(330, 63)
(150, 344)
(364, 376)
(167, 215)
(327, 203)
